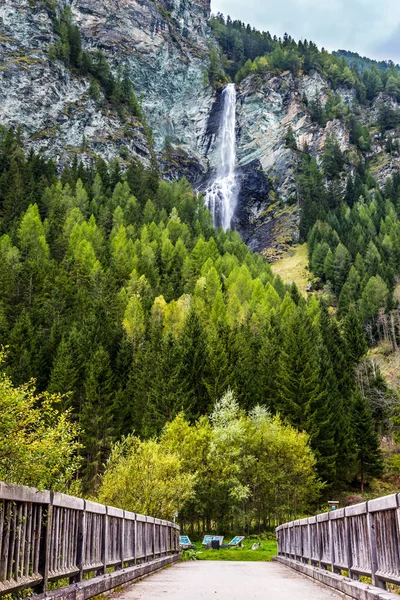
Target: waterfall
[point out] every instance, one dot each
(222, 194)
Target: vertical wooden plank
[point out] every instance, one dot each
(66, 537)
(144, 537)
(34, 542)
(6, 542)
(372, 551)
(104, 541)
(135, 541)
(331, 545)
(35, 536)
(88, 543)
(153, 536)
(397, 523)
(13, 536)
(310, 546)
(53, 549)
(71, 546)
(72, 539)
(54, 541)
(28, 541)
(2, 532)
(24, 530)
(82, 541)
(18, 535)
(347, 540)
(94, 540)
(94, 537)
(97, 539)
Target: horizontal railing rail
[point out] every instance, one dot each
(363, 539)
(46, 536)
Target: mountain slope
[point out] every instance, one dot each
(166, 49)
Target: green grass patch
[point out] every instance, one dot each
(379, 161)
(294, 267)
(267, 550)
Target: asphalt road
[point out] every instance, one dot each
(200, 580)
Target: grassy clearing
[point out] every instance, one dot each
(294, 267)
(388, 362)
(265, 552)
(379, 161)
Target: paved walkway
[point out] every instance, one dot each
(209, 580)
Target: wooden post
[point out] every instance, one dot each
(154, 538)
(44, 552)
(349, 561)
(309, 541)
(135, 540)
(80, 545)
(104, 544)
(331, 544)
(122, 539)
(318, 543)
(144, 535)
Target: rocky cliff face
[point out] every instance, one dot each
(163, 45)
(267, 107)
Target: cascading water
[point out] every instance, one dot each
(221, 196)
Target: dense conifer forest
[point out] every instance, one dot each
(117, 292)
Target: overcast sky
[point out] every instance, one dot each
(369, 27)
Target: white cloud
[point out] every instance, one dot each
(370, 27)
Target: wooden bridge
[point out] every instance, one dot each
(71, 549)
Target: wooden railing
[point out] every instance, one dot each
(47, 536)
(363, 539)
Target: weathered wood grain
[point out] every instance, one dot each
(48, 536)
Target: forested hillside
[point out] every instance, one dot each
(247, 50)
(117, 291)
(362, 63)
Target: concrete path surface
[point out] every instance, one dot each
(219, 580)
